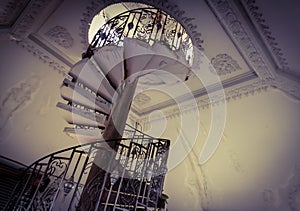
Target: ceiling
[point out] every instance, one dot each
(244, 41)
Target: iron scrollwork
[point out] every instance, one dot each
(45, 182)
(147, 24)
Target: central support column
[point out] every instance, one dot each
(118, 117)
(93, 193)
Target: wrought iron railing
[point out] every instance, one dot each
(133, 179)
(148, 24)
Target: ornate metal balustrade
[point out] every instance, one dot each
(148, 24)
(133, 181)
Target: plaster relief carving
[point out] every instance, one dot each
(224, 64)
(141, 99)
(22, 26)
(253, 11)
(10, 10)
(236, 28)
(17, 98)
(42, 56)
(60, 36)
(230, 20)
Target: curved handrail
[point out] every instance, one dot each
(95, 142)
(71, 148)
(13, 161)
(139, 131)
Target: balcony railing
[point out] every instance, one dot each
(147, 24)
(133, 181)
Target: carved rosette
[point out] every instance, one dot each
(60, 36)
(250, 49)
(141, 99)
(224, 64)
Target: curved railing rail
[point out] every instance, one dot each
(133, 177)
(12, 162)
(148, 24)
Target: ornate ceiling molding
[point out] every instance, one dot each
(233, 88)
(30, 13)
(205, 102)
(33, 12)
(42, 56)
(172, 9)
(10, 10)
(230, 20)
(257, 16)
(250, 49)
(29, 16)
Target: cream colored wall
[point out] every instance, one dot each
(255, 165)
(31, 126)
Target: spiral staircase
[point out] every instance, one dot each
(116, 167)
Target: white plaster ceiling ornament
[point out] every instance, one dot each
(224, 64)
(60, 36)
(141, 99)
(232, 21)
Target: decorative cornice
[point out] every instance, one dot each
(172, 9)
(10, 10)
(250, 49)
(257, 16)
(21, 28)
(205, 102)
(60, 36)
(291, 88)
(41, 55)
(227, 84)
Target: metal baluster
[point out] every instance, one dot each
(137, 25)
(80, 176)
(103, 185)
(62, 176)
(122, 175)
(25, 186)
(146, 162)
(37, 188)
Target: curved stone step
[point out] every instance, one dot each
(137, 54)
(110, 61)
(97, 78)
(81, 117)
(85, 135)
(74, 93)
(169, 61)
(141, 59)
(88, 74)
